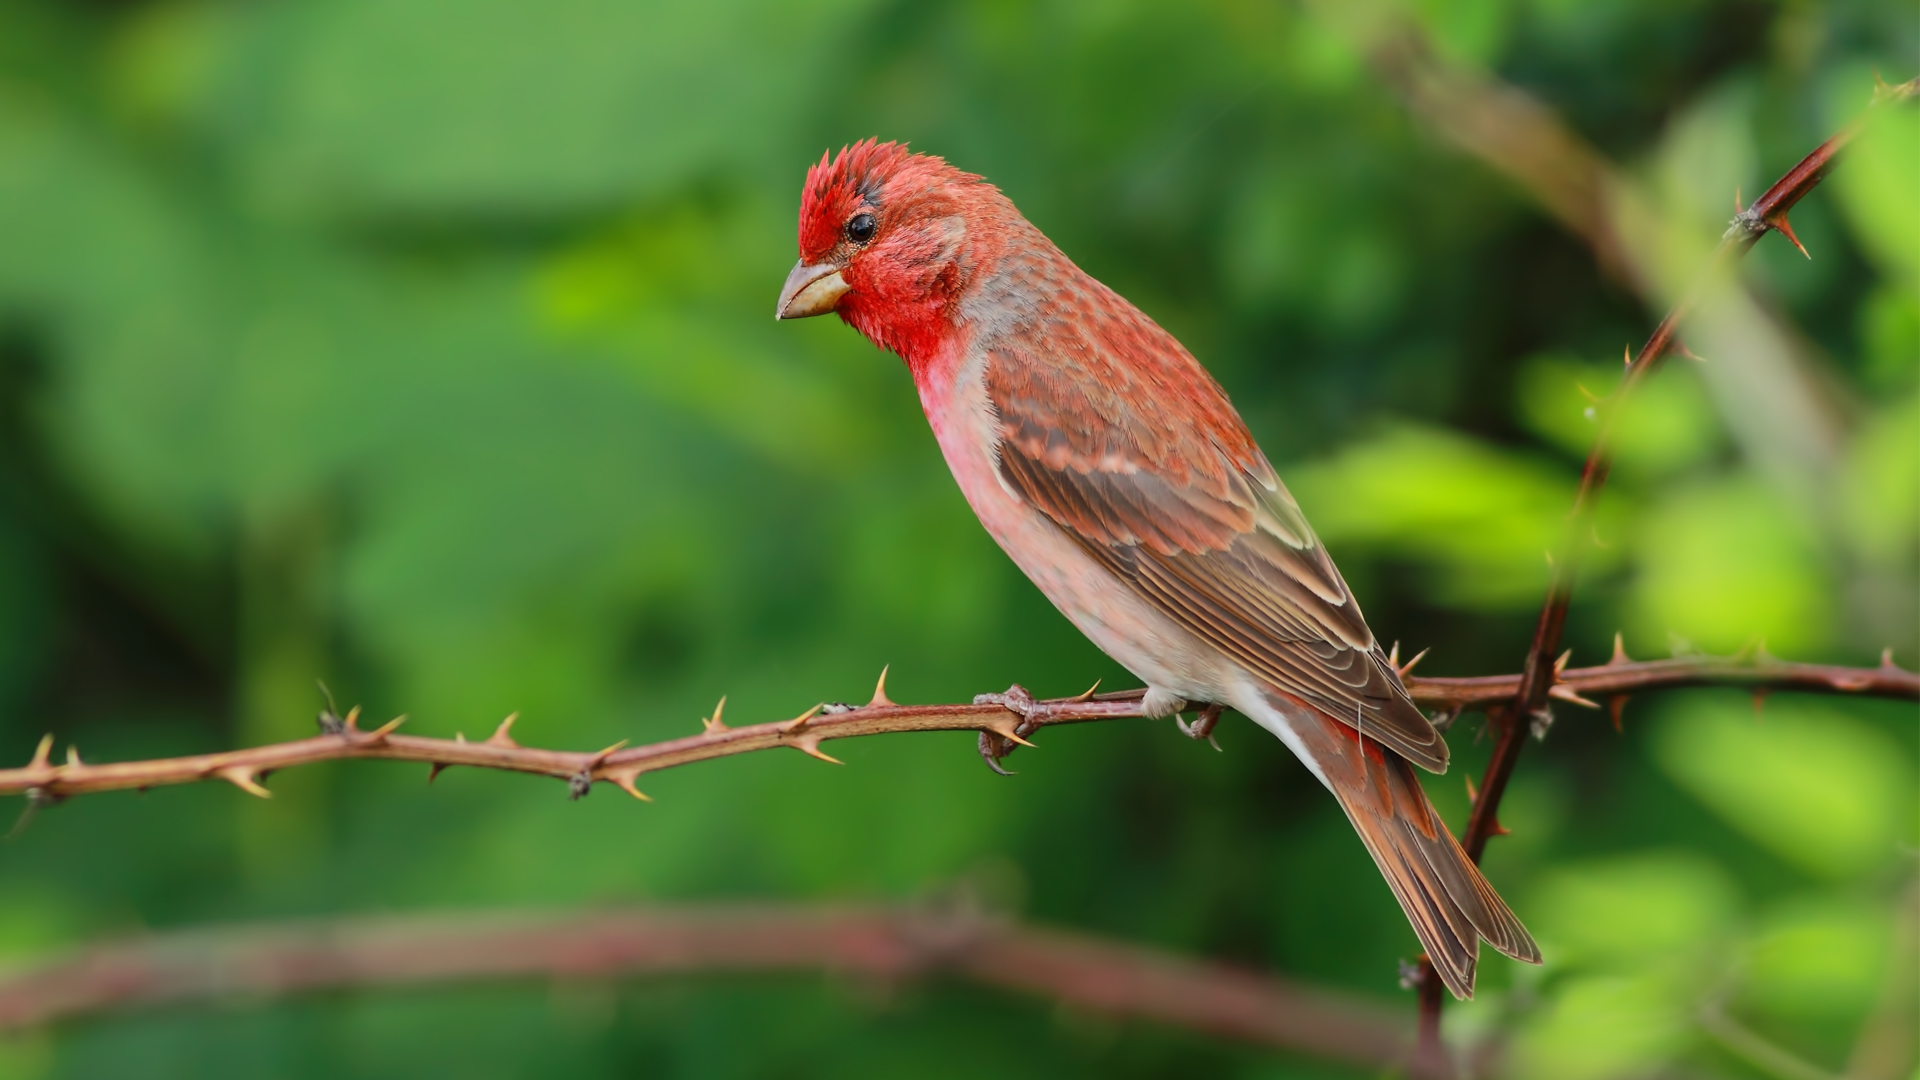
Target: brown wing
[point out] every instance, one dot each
(1189, 514)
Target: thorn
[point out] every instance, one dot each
(1615, 706)
(1565, 692)
(379, 735)
(500, 736)
(880, 698)
(1883, 91)
(1780, 222)
(1619, 651)
(1417, 657)
(1393, 655)
(434, 770)
(799, 723)
(624, 781)
(1560, 665)
(1886, 660)
(73, 756)
(600, 758)
(1592, 398)
(1737, 208)
(1759, 700)
(460, 736)
(710, 725)
(1473, 790)
(1626, 355)
(810, 746)
(1499, 829)
(1681, 348)
(1009, 729)
(1086, 696)
(40, 752)
(353, 717)
(1761, 657)
(242, 777)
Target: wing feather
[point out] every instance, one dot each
(1193, 518)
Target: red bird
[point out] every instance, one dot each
(1111, 467)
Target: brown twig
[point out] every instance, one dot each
(884, 943)
(46, 781)
(1621, 676)
(1529, 709)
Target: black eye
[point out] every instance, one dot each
(860, 229)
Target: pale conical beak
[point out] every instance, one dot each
(810, 291)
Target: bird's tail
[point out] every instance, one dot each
(1448, 901)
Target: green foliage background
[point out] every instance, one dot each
(424, 347)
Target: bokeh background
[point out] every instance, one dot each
(424, 348)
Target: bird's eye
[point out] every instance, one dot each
(860, 229)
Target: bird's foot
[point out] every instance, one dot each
(1033, 714)
(1202, 726)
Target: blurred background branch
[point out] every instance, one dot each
(879, 947)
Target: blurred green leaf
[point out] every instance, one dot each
(529, 109)
(1723, 564)
(1819, 957)
(1478, 519)
(1668, 422)
(1604, 1026)
(1890, 331)
(1882, 172)
(1616, 913)
(1809, 783)
(1880, 492)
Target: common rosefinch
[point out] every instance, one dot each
(1112, 468)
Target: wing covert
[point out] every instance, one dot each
(1193, 519)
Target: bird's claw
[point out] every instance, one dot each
(1032, 714)
(1203, 724)
(992, 749)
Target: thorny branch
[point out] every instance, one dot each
(43, 780)
(1528, 710)
(884, 944)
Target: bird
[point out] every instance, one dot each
(1113, 470)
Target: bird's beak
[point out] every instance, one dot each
(810, 291)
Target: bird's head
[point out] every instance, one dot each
(888, 240)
